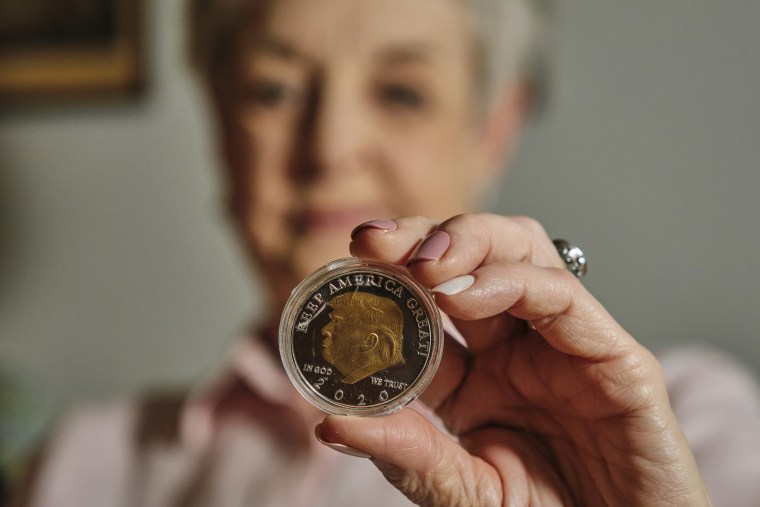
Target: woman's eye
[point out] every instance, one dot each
(402, 96)
(270, 94)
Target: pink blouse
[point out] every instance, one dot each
(245, 438)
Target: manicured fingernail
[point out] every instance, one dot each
(455, 285)
(432, 247)
(385, 225)
(350, 451)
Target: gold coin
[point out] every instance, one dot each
(360, 337)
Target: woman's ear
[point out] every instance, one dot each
(502, 124)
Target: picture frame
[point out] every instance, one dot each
(65, 49)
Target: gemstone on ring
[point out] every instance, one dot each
(573, 256)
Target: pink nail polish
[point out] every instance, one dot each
(385, 225)
(432, 247)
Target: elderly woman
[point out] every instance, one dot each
(396, 115)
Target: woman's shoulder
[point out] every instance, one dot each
(716, 398)
(97, 447)
(149, 417)
(701, 374)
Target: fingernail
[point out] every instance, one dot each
(431, 248)
(385, 225)
(350, 451)
(455, 285)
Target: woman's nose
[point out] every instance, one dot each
(335, 133)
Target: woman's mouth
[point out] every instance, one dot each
(335, 220)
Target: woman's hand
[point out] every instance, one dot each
(550, 401)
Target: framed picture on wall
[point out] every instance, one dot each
(70, 48)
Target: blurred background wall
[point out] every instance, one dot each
(117, 271)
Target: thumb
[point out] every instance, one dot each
(419, 460)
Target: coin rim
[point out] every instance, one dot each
(305, 290)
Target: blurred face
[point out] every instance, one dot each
(343, 111)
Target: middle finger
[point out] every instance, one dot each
(477, 240)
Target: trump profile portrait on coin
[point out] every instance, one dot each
(364, 335)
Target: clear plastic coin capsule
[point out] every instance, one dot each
(360, 337)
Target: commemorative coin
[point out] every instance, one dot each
(360, 337)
